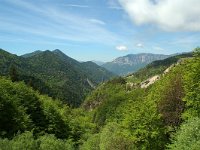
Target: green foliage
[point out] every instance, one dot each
(50, 142)
(111, 118)
(57, 117)
(13, 73)
(54, 73)
(143, 121)
(20, 109)
(192, 88)
(26, 141)
(188, 137)
(118, 80)
(140, 124)
(197, 52)
(112, 137)
(92, 143)
(158, 67)
(170, 98)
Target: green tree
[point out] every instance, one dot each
(13, 73)
(192, 87)
(188, 137)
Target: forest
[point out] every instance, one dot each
(117, 115)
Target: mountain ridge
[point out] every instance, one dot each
(66, 78)
(132, 62)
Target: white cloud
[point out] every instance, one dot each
(140, 45)
(74, 5)
(97, 21)
(122, 48)
(169, 15)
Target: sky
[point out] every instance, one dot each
(100, 29)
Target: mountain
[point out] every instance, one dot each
(134, 117)
(54, 73)
(32, 54)
(132, 62)
(117, 115)
(99, 73)
(100, 63)
(158, 66)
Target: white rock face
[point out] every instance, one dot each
(149, 81)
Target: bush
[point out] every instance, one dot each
(188, 137)
(26, 141)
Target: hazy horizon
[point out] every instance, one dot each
(97, 59)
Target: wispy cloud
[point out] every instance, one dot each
(75, 5)
(50, 22)
(115, 7)
(113, 4)
(97, 21)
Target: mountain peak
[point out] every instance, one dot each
(32, 54)
(57, 51)
(132, 62)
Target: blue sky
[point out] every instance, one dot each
(100, 29)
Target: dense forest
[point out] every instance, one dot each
(54, 73)
(117, 115)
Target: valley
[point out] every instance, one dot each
(99, 74)
(55, 74)
(153, 108)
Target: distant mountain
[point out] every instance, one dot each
(132, 62)
(100, 63)
(55, 74)
(158, 66)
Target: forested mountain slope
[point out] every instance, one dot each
(38, 121)
(54, 73)
(150, 118)
(157, 67)
(164, 115)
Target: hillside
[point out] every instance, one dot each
(163, 115)
(131, 63)
(100, 63)
(99, 74)
(55, 74)
(157, 67)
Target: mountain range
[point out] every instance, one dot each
(153, 108)
(132, 62)
(54, 73)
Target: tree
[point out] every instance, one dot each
(188, 137)
(13, 73)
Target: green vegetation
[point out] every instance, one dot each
(54, 73)
(165, 115)
(157, 67)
